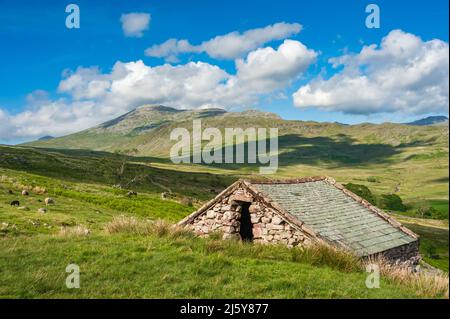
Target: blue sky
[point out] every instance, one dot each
(37, 48)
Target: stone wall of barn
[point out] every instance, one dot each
(268, 226)
(408, 253)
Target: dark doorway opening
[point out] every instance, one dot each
(246, 229)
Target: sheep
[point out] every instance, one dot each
(49, 201)
(165, 195)
(15, 203)
(25, 192)
(10, 192)
(131, 193)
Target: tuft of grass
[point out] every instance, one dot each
(321, 254)
(78, 230)
(123, 224)
(426, 284)
(316, 254)
(373, 179)
(158, 228)
(39, 190)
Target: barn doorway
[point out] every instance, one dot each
(246, 228)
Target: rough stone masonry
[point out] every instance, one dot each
(267, 225)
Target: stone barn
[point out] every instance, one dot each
(303, 211)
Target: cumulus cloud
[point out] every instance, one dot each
(171, 49)
(269, 69)
(194, 84)
(134, 24)
(5, 127)
(404, 74)
(229, 46)
(91, 96)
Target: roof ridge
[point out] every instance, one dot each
(211, 202)
(287, 181)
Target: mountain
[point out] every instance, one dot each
(145, 131)
(46, 138)
(431, 120)
(146, 125)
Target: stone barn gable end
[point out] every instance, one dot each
(302, 211)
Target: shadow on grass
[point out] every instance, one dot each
(338, 151)
(109, 169)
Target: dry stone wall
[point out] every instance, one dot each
(408, 253)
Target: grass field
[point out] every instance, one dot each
(130, 266)
(410, 161)
(34, 254)
(434, 241)
(36, 247)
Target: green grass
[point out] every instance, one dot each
(410, 161)
(132, 266)
(76, 203)
(81, 166)
(437, 238)
(33, 256)
(440, 205)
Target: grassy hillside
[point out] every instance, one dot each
(36, 247)
(409, 161)
(90, 173)
(434, 244)
(145, 131)
(140, 174)
(132, 266)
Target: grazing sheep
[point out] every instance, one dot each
(15, 203)
(131, 193)
(165, 195)
(49, 201)
(25, 192)
(42, 210)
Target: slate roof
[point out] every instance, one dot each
(335, 216)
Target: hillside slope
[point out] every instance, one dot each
(409, 161)
(146, 130)
(431, 120)
(148, 122)
(107, 234)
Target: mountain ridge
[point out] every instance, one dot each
(146, 130)
(430, 120)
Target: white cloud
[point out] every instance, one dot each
(134, 24)
(5, 127)
(171, 49)
(94, 97)
(404, 74)
(229, 46)
(271, 69)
